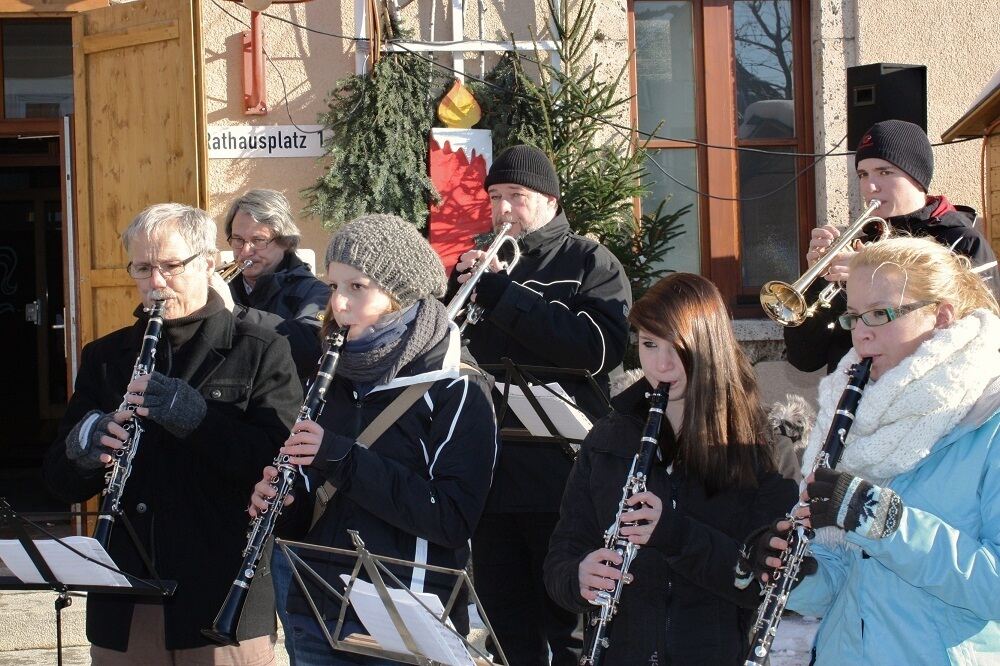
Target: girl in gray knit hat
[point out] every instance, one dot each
(417, 493)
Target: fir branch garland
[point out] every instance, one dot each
(377, 152)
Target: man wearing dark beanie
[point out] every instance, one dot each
(895, 164)
(563, 306)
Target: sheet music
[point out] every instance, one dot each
(66, 566)
(567, 419)
(432, 638)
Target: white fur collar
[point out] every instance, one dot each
(910, 408)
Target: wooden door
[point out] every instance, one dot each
(139, 137)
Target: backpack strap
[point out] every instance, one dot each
(393, 411)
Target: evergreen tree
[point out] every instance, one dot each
(377, 150)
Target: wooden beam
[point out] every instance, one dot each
(49, 7)
(147, 34)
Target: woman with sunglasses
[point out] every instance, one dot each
(908, 524)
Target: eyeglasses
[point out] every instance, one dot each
(880, 316)
(169, 269)
(238, 243)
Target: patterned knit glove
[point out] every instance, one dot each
(853, 504)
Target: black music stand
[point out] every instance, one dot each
(378, 573)
(16, 524)
(526, 376)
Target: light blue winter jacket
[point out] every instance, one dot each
(929, 593)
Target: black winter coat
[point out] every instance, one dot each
(297, 297)
(186, 499)
(682, 605)
(821, 342)
(417, 493)
(566, 308)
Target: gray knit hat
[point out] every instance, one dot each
(391, 252)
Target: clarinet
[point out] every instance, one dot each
(224, 627)
(635, 483)
(776, 592)
(121, 469)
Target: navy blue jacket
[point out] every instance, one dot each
(294, 295)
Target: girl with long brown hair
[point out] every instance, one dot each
(714, 481)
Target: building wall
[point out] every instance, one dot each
(844, 33)
(309, 63)
(960, 61)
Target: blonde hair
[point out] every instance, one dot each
(933, 273)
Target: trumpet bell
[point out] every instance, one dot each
(783, 303)
(229, 271)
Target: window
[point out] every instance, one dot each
(733, 74)
(37, 58)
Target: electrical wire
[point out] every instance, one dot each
(648, 136)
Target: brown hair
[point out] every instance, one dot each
(723, 439)
(933, 273)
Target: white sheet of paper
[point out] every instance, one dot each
(567, 419)
(433, 640)
(66, 565)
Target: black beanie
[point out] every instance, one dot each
(901, 143)
(526, 166)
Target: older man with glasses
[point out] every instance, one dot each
(215, 410)
(260, 229)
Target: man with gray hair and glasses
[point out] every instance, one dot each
(215, 410)
(260, 229)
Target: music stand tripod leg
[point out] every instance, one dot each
(62, 601)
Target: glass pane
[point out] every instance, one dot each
(769, 227)
(37, 69)
(765, 101)
(664, 64)
(682, 164)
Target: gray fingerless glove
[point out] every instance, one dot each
(856, 505)
(173, 404)
(83, 443)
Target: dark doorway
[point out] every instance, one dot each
(33, 378)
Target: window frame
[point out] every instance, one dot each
(716, 123)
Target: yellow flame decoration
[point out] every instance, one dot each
(459, 108)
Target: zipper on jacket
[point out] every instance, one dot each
(670, 582)
(358, 409)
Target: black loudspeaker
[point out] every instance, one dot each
(884, 91)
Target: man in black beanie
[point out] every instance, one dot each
(562, 306)
(894, 164)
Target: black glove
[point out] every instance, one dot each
(83, 443)
(853, 504)
(752, 561)
(490, 289)
(332, 451)
(173, 404)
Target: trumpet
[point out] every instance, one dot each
(786, 303)
(473, 313)
(228, 272)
